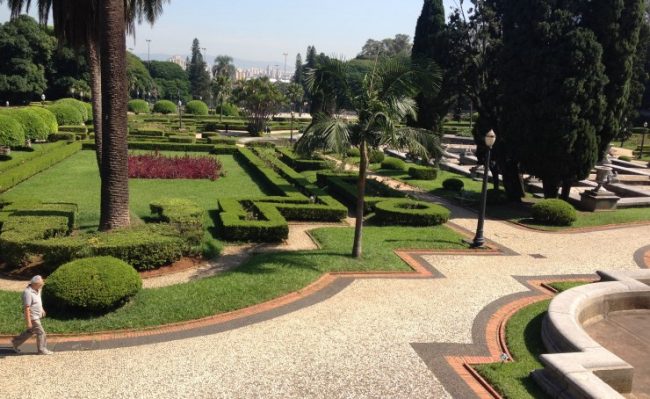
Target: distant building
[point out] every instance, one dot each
(178, 60)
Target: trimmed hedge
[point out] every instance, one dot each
(625, 158)
(423, 173)
(149, 132)
(197, 107)
(48, 117)
(354, 152)
(376, 156)
(32, 122)
(411, 213)
(78, 105)
(158, 146)
(95, 284)
(164, 107)
(74, 129)
(12, 133)
(453, 184)
(259, 222)
(28, 156)
(344, 188)
(66, 114)
(300, 164)
(554, 212)
(183, 215)
(14, 176)
(182, 139)
(393, 164)
(62, 136)
(138, 107)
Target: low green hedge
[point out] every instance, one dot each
(78, 105)
(625, 158)
(196, 107)
(393, 164)
(221, 149)
(160, 146)
(96, 284)
(73, 129)
(164, 107)
(150, 132)
(300, 164)
(14, 176)
(182, 139)
(183, 215)
(411, 213)
(376, 156)
(66, 114)
(261, 222)
(62, 136)
(222, 140)
(453, 184)
(28, 156)
(12, 133)
(354, 152)
(423, 173)
(138, 107)
(554, 212)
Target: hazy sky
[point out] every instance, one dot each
(262, 30)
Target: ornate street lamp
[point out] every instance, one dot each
(479, 240)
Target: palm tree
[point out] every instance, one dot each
(223, 75)
(384, 101)
(93, 25)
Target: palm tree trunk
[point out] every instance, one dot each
(361, 201)
(114, 172)
(94, 66)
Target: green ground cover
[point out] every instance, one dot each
(261, 278)
(523, 335)
(76, 180)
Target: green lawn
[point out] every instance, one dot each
(262, 278)
(76, 180)
(523, 335)
(473, 187)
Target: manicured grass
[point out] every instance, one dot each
(523, 335)
(76, 180)
(263, 277)
(472, 187)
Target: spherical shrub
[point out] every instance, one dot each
(411, 213)
(12, 133)
(354, 152)
(196, 107)
(66, 114)
(625, 158)
(48, 117)
(89, 111)
(33, 124)
(376, 156)
(423, 173)
(453, 184)
(92, 284)
(138, 107)
(496, 197)
(164, 107)
(228, 109)
(393, 164)
(79, 105)
(554, 212)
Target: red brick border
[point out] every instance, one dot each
(496, 339)
(579, 230)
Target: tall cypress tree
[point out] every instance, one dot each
(429, 45)
(311, 57)
(297, 76)
(616, 24)
(552, 82)
(198, 73)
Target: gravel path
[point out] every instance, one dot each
(355, 344)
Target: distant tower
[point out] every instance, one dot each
(285, 63)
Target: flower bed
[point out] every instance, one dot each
(156, 166)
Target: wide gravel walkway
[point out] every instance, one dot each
(356, 344)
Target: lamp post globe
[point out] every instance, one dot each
(43, 99)
(479, 240)
(180, 120)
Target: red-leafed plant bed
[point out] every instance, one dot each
(156, 166)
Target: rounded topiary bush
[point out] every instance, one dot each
(138, 107)
(66, 115)
(164, 107)
(376, 156)
(453, 184)
(393, 164)
(92, 284)
(89, 111)
(33, 124)
(354, 152)
(12, 133)
(48, 117)
(496, 197)
(423, 173)
(79, 105)
(196, 107)
(228, 109)
(625, 158)
(554, 212)
(406, 212)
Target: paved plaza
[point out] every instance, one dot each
(358, 338)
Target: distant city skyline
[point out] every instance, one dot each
(260, 33)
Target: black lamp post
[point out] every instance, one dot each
(645, 130)
(479, 240)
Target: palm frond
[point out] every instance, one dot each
(330, 133)
(419, 142)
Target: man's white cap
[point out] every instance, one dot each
(36, 279)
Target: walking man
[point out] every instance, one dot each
(33, 309)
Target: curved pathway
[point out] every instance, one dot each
(373, 338)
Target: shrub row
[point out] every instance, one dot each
(298, 164)
(158, 146)
(73, 129)
(34, 125)
(28, 169)
(259, 222)
(411, 213)
(182, 139)
(12, 133)
(62, 136)
(423, 172)
(183, 215)
(28, 156)
(391, 163)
